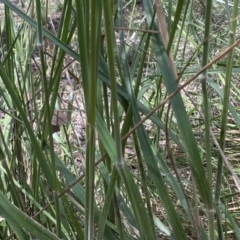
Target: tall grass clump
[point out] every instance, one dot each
(119, 120)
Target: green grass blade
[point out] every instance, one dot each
(18, 220)
(41, 157)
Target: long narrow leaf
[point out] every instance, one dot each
(17, 219)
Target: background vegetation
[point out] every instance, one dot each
(119, 119)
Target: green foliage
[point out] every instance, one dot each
(97, 139)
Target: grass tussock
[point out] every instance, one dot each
(119, 120)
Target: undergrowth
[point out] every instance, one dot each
(119, 120)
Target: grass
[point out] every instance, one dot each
(119, 120)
